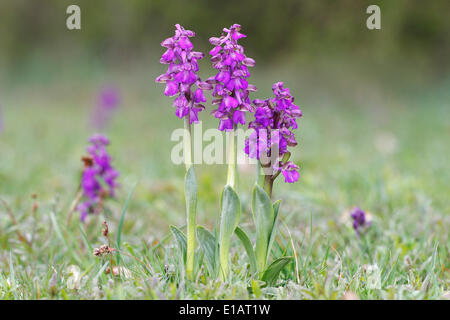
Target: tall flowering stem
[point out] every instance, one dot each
(182, 81)
(232, 158)
(231, 88)
(231, 98)
(275, 119)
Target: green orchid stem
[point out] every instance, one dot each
(191, 201)
(232, 158)
(268, 184)
(265, 181)
(187, 147)
(224, 245)
(223, 257)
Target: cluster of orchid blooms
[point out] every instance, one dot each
(181, 74)
(276, 116)
(360, 222)
(98, 180)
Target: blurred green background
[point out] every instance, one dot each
(414, 37)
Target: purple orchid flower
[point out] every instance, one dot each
(181, 74)
(231, 88)
(360, 222)
(99, 176)
(275, 118)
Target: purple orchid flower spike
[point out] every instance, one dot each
(231, 88)
(98, 180)
(360, 222)
(275, 119)
(181, 74)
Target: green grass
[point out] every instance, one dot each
(389, 159)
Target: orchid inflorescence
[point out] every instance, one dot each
(360, 221)
(181, 74)
(275, 118)
(98, 180)
(231, 89)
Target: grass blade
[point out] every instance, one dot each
(122, 216)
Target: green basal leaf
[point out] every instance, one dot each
(276, 209)
(248, 248)
(181, 240)
(263, 215)
(272, 272)
(229, 219)
(209, 246)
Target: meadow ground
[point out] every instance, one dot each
(390, 157)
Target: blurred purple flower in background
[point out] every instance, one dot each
(181, 74)
(275, 118)
(231, 88)
(360, 222)
(107, 102)
(99, 177)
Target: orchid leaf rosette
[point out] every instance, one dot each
(182, 81)
(231, 98)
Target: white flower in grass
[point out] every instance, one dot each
(74, 277)
(373, 276)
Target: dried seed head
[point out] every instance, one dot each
(105, 229)
(104, 249)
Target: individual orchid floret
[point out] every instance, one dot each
(275, 118)
(230, 86)
(360, 221)
(98, 180)
(181, 74)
